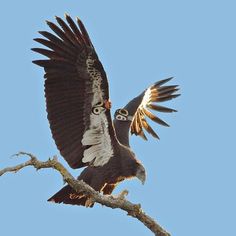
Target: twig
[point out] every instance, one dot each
(133, 210)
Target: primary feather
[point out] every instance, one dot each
(78, 107)
(75, 83)
(138, 110)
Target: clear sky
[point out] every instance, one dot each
(190, 188)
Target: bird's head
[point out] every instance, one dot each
(121, 114)
(141, 173)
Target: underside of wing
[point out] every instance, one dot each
(135, 116)
(76, 90)
(151, 98)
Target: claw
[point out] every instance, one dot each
(73, 196)
(89, 202)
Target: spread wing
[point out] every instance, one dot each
(76, 88)
(133, 116)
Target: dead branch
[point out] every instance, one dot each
(120, 202)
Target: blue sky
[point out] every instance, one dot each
(190, 188)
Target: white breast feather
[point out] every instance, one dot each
(97, 135)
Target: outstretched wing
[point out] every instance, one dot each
(133, 116)
(76, 88)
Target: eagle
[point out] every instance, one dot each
(78, 108)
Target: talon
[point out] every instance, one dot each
(73, 196)
(89, 202)
(107, 104)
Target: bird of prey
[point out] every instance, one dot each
(78, 107)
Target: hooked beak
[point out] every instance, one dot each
(142, 179)
(141, 174)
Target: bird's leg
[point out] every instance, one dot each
(107, 104)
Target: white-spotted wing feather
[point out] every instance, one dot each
(97, 136)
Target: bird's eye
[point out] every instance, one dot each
(120, 117)
(123, 112)
(97, 110)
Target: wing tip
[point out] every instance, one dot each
(176, 95)
(161, 82)
(66, 15)
(52, 200)
(37, 62)
(35, 50)
(38, 40)
(48, 22)
(78, 20)
(155, 135)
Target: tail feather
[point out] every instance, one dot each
(68, 196)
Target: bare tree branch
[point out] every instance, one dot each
(120, 202)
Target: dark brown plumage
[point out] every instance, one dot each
(68, 88)
(78, 107)
(103, 178)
